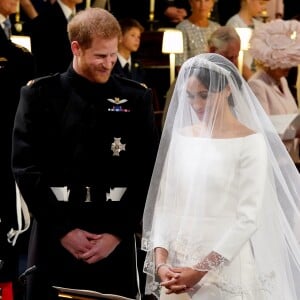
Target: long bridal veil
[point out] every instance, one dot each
(201, 163)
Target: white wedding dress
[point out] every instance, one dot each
(213, 204)
(224, 194)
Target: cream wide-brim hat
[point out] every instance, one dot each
(276, 44)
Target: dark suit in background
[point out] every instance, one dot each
(16, 69)
(50, 42)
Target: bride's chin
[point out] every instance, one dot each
(200, 116)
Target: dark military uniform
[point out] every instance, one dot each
(16, 68)
(89, 138)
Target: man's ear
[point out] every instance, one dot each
(75, 48)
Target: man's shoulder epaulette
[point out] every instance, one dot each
(130, 83)
(43, 80)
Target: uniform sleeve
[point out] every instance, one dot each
(27, 168)
(252, 178)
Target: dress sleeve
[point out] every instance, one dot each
(252, 176)
(182, 57)
(260, 92)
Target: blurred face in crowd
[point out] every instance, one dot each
(202, 8)
(8, 7)
(277, 73)
(131, 39)
(230, 51)
(256, 7)
(96, 62)
(71, 3)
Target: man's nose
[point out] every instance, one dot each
(109, 61)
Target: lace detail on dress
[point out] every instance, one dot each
(268, 282)
(146, 245)
(263, 284)
(195, 255)
(219, 273)
(210, 262)
(153, 288)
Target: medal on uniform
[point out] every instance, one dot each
(117, 107)
(117, 100)
(117, 146)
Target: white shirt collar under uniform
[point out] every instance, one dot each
(123, 61)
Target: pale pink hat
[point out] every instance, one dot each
(276, 44)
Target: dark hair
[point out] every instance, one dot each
(211, 78)
(128, 23)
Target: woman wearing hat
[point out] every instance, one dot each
(275, 46)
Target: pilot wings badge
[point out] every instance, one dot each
(117, 107)
(117, 146)
(117, 100)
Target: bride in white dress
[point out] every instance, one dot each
(222, 212)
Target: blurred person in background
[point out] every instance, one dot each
(171, 12)
(247, 17)
(129, 43)
(49, 37)
(275, 9)
(275, 46)
(196, 30)
(16, 69)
